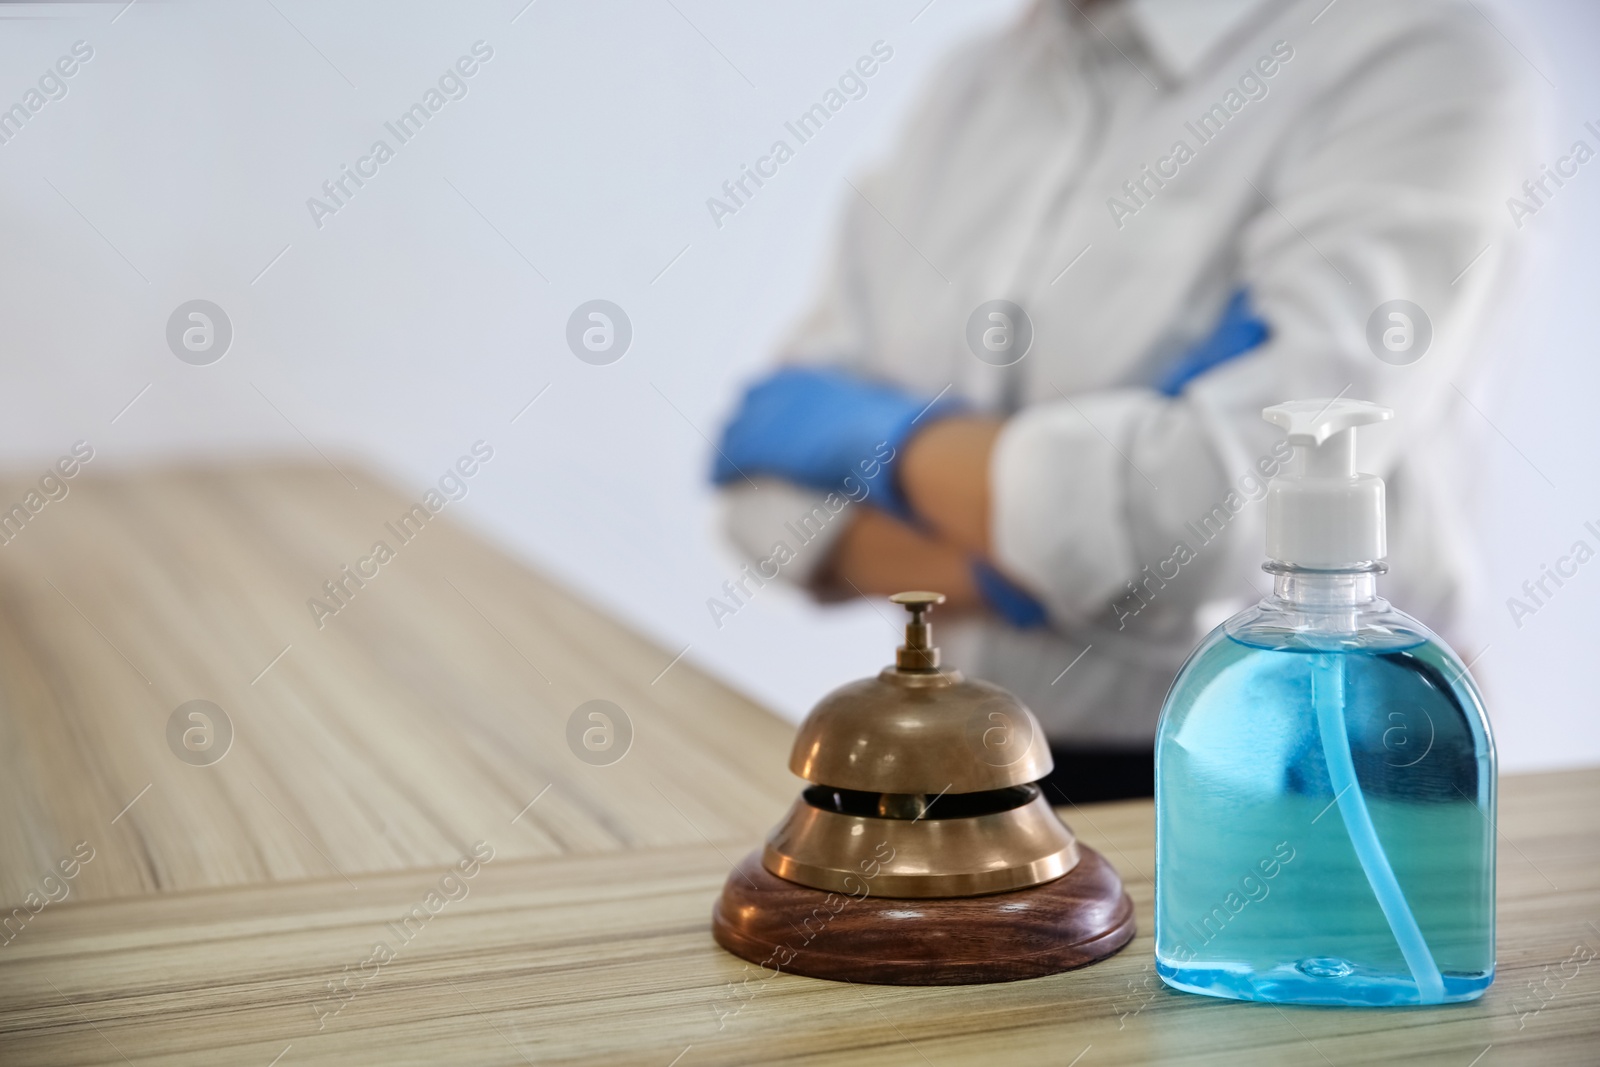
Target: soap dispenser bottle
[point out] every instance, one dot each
(1325, 775)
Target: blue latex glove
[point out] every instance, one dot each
(1238, 331)
(819, 426)
(1007, 600)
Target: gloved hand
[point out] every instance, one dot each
(1008, 600)
(818, 426)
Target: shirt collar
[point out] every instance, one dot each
(1182, 33)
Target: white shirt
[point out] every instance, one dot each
(1329, 167)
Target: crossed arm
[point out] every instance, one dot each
(944, 475)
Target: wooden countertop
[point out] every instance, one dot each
(230, 911)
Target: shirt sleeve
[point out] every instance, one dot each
(1390, 186)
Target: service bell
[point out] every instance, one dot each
(923, 852)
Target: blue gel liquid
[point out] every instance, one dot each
(1325, 822)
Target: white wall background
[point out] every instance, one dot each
(416, 321)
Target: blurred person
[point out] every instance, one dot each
(1195, 209)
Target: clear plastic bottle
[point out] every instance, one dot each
(1325, 777)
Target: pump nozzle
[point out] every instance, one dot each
(1311, 422)
(1320, 512)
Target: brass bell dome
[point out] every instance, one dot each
(922, 785)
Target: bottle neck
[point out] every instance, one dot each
(1325, 591)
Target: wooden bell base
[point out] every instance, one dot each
(1077, 919)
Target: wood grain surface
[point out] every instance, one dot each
(361, 878)
(423, 716)
(608, 959)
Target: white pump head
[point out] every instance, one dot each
(1320, 511)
